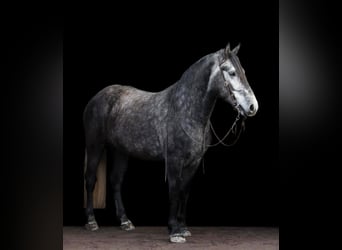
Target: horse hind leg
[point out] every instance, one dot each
(118, 171)
(93, 156)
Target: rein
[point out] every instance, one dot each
(233, 129)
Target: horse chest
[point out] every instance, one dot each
(187, 146)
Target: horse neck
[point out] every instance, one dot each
(191, 96)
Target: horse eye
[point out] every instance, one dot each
(232, 73)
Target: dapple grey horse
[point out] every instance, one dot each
(171, 126)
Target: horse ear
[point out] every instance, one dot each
(236, 49)
(227, 49)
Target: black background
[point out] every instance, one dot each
(151, 51)
(309, 149)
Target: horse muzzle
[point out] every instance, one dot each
(249, 109)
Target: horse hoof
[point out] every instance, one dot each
(185, 232)
(177, 238)
(127, 225)
(91, 226)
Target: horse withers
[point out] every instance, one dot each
(172, 125)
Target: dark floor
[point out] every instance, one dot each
(157, 238)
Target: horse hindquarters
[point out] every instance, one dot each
(94, 137)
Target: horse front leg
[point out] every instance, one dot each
(187, 176)
(175, 182)
(182, 213)
(174, 200)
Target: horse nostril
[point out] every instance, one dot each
(251, 108)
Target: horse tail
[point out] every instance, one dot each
(99, 194)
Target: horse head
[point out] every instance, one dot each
(232, 84)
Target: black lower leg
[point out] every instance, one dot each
(174, 200)
(182, 209)
(184, 196)
(120, 209)
(90, 184)
(93, 157)
(173, 224)
(182, 214)
(117, 175)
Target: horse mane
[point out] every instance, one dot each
(194, 67)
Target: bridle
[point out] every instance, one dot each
(230, 91)
(232, 129)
